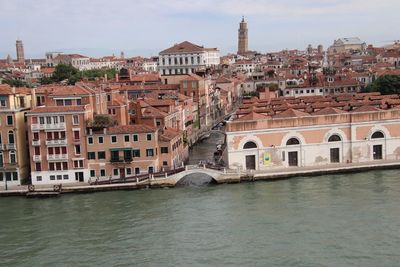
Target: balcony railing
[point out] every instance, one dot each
(121, 160)
(37, 158)
(56, 142)
(9, 146)
(35, 142)
(55, 126)
(57, 157)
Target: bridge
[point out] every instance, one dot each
(172, 178)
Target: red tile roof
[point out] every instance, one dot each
(131, 129)
(185, 47)
(58, 109)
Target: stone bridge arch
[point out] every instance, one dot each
(203, 175)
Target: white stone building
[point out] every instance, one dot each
(186, 58)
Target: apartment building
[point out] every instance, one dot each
(14, 161)
(56, 137)
(122, 151)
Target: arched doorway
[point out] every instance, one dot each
(334, 151)
(377, 149)
(293, 156)
(250, 160)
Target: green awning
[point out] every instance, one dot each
(121, 149)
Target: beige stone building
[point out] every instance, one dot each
(14, 162)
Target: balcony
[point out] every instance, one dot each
(56, 142)
(35, 142)
(37, 158)
(57, 157)
(56, 126)
(121, 160)
(9, 146)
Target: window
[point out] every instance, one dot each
(3, 103)
(13, 158)
(135, 137)
(249, 145)
(78, 164)
(377, 135)
(15, 176)
(101, 155)
(334, 138)
(11, 137)
(293, 141)
(91, 155)
(148, 137)
(52, 177)
(115, 172)
(75, 120)
(39, 178)
(113, 139)
(41, 120)
(137, 171)
(10, 120)
(165, 163)
(37, 150)
(136, 153)
(101, 139)
(128, 155)
(149, 152)
(114, 155)
(62, 120)
(128, 171)
(65, 177)
(102, 172)
(151, 169)
(126, 138)
(90, 140)
(76, 135)
(79, 102)
(164, 150)
(59, 177)
(77, 149)
(38, 166)
(92, 173)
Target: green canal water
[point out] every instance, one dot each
(335, 220)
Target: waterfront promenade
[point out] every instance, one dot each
(219, 176)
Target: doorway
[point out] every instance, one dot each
(293, 159)
(79, 176)
(377, 151)
(335, 155)
(250, 162)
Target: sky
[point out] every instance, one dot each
(145, 27)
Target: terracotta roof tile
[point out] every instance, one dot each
(130, 129)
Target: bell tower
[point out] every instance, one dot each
(243, 39)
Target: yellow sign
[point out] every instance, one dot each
(267, 158)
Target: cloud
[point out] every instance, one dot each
(156, 24)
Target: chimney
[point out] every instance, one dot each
(105, 77)
(116, 77)
(33, 95)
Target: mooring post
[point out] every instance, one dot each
(224, 170)
(137, 180)
(166, 174)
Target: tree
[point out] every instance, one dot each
(387, 84)
(63, 72)
(16, 83)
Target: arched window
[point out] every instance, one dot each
(11, 137)
(292, 142)
(377, 135)
(334, 138)
(249, 145)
